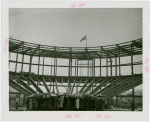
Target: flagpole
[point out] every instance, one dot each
(86, 40)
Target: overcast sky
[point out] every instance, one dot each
(66, 27)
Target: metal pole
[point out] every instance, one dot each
(56, 66)
(116, 75)
(77, 77)
(132, 72)
(119, 63)
(86, 40)
(100, 66)
(94, 65)
(107, 65)
(116, 65)
(16, 61)
(22, 59)
(39, 62)
(43, 66)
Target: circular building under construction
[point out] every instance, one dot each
(102, 70)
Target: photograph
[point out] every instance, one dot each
(69, 59)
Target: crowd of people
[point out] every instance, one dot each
(65, 103)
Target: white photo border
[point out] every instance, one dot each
(7, 115)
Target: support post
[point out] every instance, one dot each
(111, 66)
(43, 67)
(22, 59)
(39, 63)
(16, 62)
(107, 65)
(100, 68)
(30, 64)
(77, 77)
(132, 73)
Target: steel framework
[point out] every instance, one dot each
(109, 86)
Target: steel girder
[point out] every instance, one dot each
(19, 90)
(132, 80)
(89, 86)
(25, 85)
(113, 84)
(124, 88)
(18, 86)
(35, 85)
(46, 87)
(86, 82)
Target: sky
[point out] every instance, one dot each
(67, 26)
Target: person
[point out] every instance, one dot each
(77, 104)
(86, 103)
(92, 103)
(102, 104)
(61, 102)
(35, 104)
(65, 102)
(68, 103)
(45, 103)
(27, 103)
(82, 104)
(21, 104)
(132, 106)
(96, 104)
(17, 103)
(53, 102)
(40, 103)
(49, 103)
(56, 103)
(75, 108)
(30, 104)
(71, 103)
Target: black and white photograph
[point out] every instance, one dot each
(75, 59)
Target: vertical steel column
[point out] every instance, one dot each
(22, 59)
(132, 72)
(30, 63)
(119, 61)
(88, 64)
(119, 66)
(100, 61)
(111, 66)
(92, 68)
(51, 67)
(77, 77)
(107, 65)
(16, 61)
(43, 67)
(39, 62)
(68, 89)
(116, 75)
(56, 66)
(54, 75)
(94, 64)
(116, 65)
(70, 71)
(75, 67)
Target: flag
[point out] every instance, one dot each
(84, 38)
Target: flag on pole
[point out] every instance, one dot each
(84, 38)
